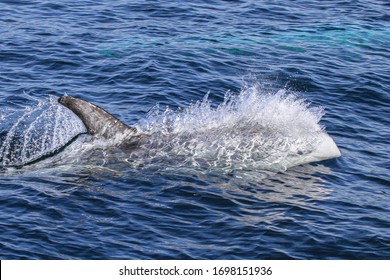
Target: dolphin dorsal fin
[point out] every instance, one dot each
(98, 122)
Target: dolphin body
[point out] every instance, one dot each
(101, 124)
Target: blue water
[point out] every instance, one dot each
(197, 189)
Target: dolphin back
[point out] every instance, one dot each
(98, 122)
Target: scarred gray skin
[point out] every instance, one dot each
(98, 122)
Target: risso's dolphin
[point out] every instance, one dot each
(102, 124)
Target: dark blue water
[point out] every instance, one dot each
(151, 63)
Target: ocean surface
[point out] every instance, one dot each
(227, 95)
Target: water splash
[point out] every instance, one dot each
(39, 131)
(251, 107)
(254, 129)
